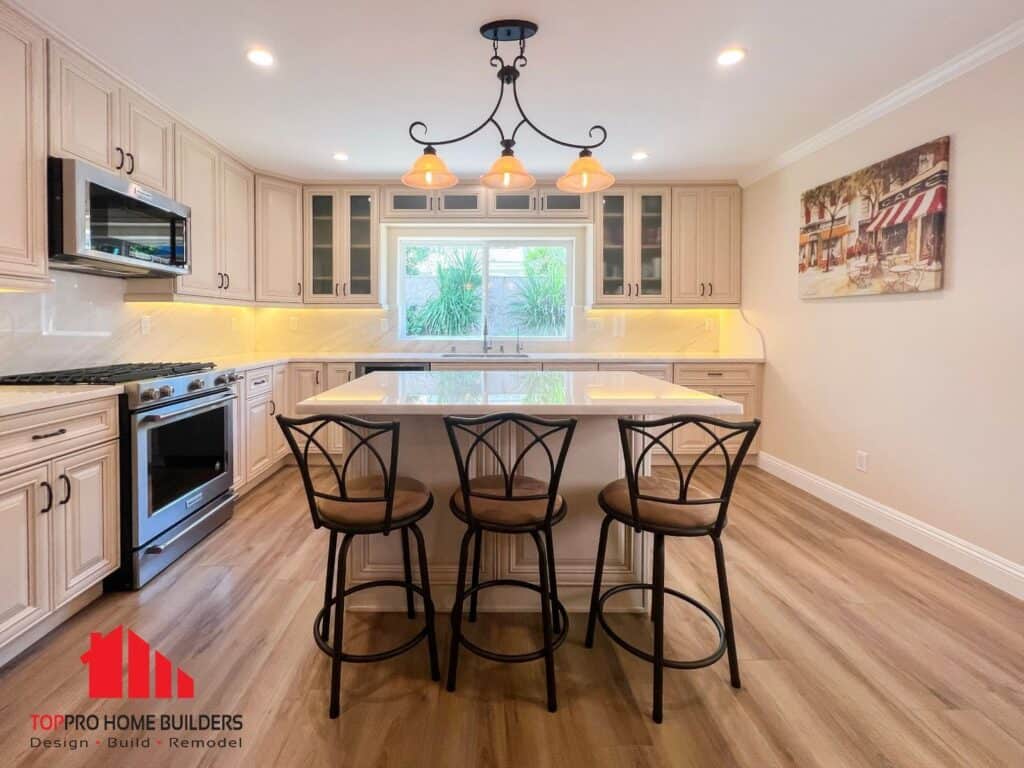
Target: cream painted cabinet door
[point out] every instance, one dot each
(720, 249)
(86, 520)
(24, 549)
(22, 149)
(257, 436)
(238, 418)
(687, 280)
(650, 259)
(237, 230)
(84, 111)
(278, 241)
(305, 380)
(338, 374)
(279, 401)
(196, 164)
(148, 134)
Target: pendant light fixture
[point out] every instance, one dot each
(585, 174)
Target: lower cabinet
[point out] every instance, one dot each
(655, 371)
(338, 374)
(739, 382)
(264, 441)
(279, 404)
(238, 428)
(59, 534)
(304, 381)
(86, 520)
(24, 549)
(258, 451)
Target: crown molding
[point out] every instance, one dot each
(1009, 38)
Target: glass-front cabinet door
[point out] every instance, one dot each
(557, 204)
(611, 268)
(360, 272)
(322, 278)
(651, 256)
(518, 203)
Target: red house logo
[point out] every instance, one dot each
(105, 659)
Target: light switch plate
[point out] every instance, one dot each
(145, 325)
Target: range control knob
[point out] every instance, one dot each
(221, 380)
(149, 394)
(166, 390)
(196, 384)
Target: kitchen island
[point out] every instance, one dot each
(418, 400)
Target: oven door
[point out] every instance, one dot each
(181, 461)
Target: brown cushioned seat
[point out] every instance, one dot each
(410, 497)
(506, 511)
(615, 496)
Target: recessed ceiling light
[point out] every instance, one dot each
(261, 57)
(341, 157)
(731, 56)
(640, 155)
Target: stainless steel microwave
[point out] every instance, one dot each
(104, 223)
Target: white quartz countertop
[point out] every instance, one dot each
(20, 398)
(244, 362)
(539, 393)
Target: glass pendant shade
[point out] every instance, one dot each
(507, 172)
(429, 172)
(586, 174)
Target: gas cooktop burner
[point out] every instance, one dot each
(108, 374)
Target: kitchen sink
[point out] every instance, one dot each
(487, 355)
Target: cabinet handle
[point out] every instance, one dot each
(131, 161)
(273, 407)
(638, 289)
(120, 162)
(715, 373)
(711, 289)
(702, 289)
(259, 382)
(49, 497)
(335, 289)
(227, 278)
(316, 377)
(55, 433)
(220, 277)
(629, 289)
(67, 489)
(344, 289)
(298, 290)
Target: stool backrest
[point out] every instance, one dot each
(478, 437)
(377, 441)
(727, 440)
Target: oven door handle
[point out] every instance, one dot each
(207, 405)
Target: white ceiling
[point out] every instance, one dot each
(351, 76)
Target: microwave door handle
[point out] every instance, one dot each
(163, 418)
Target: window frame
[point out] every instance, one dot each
(569, 239)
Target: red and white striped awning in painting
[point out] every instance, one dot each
(922, 204)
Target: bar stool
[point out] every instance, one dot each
(372, 503)
(507, 500)
(672, 507)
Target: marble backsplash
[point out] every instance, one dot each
(84, 321)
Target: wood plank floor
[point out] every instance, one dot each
(855, 650)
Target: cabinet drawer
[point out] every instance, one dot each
(654, 370)
(259, 381)
(41, 435)
(715, 375)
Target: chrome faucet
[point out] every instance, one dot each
(487, 346)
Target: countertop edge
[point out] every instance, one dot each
(19, 399)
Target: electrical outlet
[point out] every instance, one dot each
(145, 325)
(385, 325)
(595, 324)
(619, 327)
(293, 323)
(862, 461)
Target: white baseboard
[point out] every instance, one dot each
(987, 566)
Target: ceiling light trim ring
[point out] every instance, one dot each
(507, 74)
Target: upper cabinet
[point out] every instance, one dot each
(197, 164)
(23, 257)
(237, 229)
(706, 245)
(94, 118)
(544, 202)
(341, 234)
(632, 254)
(279, 273)
(455, 202)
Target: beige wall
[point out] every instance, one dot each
(931, 385)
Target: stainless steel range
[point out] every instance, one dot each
(176, 457)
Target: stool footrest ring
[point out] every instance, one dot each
(359, 658)
(514, 658)
(649, 657)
